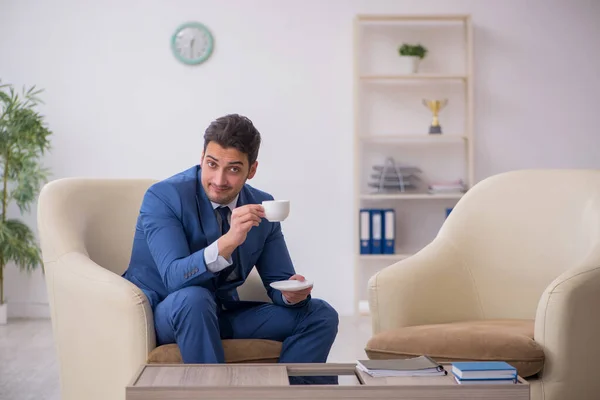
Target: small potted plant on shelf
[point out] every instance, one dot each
(24, 138)
(411, 55)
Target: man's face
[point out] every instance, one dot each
(224, 172)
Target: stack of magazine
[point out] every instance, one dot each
(418, 366)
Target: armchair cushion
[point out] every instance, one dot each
(509, 340)
(236, 351)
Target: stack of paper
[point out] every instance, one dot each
(457, 186)
(418, 366)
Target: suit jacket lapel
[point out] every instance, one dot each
(211, 229)
(208, 220)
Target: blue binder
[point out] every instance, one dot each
(365, 231)
(389, 231)
(376, 231)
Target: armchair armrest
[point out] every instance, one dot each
(432, 286)
(103, 327)
(567, 325)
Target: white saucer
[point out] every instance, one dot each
(291, 285)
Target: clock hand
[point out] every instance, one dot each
(192, 47)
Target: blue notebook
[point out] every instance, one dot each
(483, 370)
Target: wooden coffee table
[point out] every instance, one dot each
(270, 381)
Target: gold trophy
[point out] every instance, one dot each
(435, 106)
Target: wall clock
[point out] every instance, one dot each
(192, 43)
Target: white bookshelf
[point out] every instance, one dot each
(409, 196)
(414, 139)
(384, 257)
(418, 76)
(390, 121)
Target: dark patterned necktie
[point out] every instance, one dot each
(224, 213)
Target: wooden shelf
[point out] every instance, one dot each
(411, 196)
(384, 257)
(418, 76)
(414, 17)
(415, 139)
(363, 307)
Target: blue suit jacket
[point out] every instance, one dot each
(177, 222)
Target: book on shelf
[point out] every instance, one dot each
(417, 366)
(484, 372)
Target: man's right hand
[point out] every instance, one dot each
(242, 220)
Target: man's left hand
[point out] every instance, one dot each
(296, 297)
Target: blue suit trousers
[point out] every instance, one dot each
(193, 318)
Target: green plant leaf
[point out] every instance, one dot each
(24, 139)
(18, 244)
(415, 50)
(29, 180)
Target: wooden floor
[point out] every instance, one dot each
(28, 368)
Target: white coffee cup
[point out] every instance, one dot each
(276, 210)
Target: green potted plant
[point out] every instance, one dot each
(411, 56)
(24, 138)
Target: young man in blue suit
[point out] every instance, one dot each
(198, 235)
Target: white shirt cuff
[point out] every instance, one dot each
(214, 262)
(285, 300)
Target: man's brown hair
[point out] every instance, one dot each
(237, 131)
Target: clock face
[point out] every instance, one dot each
(192, 43)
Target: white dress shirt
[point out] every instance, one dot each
(214, 262)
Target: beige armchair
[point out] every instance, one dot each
(102, 324)
(513, 274)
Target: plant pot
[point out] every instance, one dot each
(409, 64)
(3, 313)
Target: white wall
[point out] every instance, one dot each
(121, 106)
